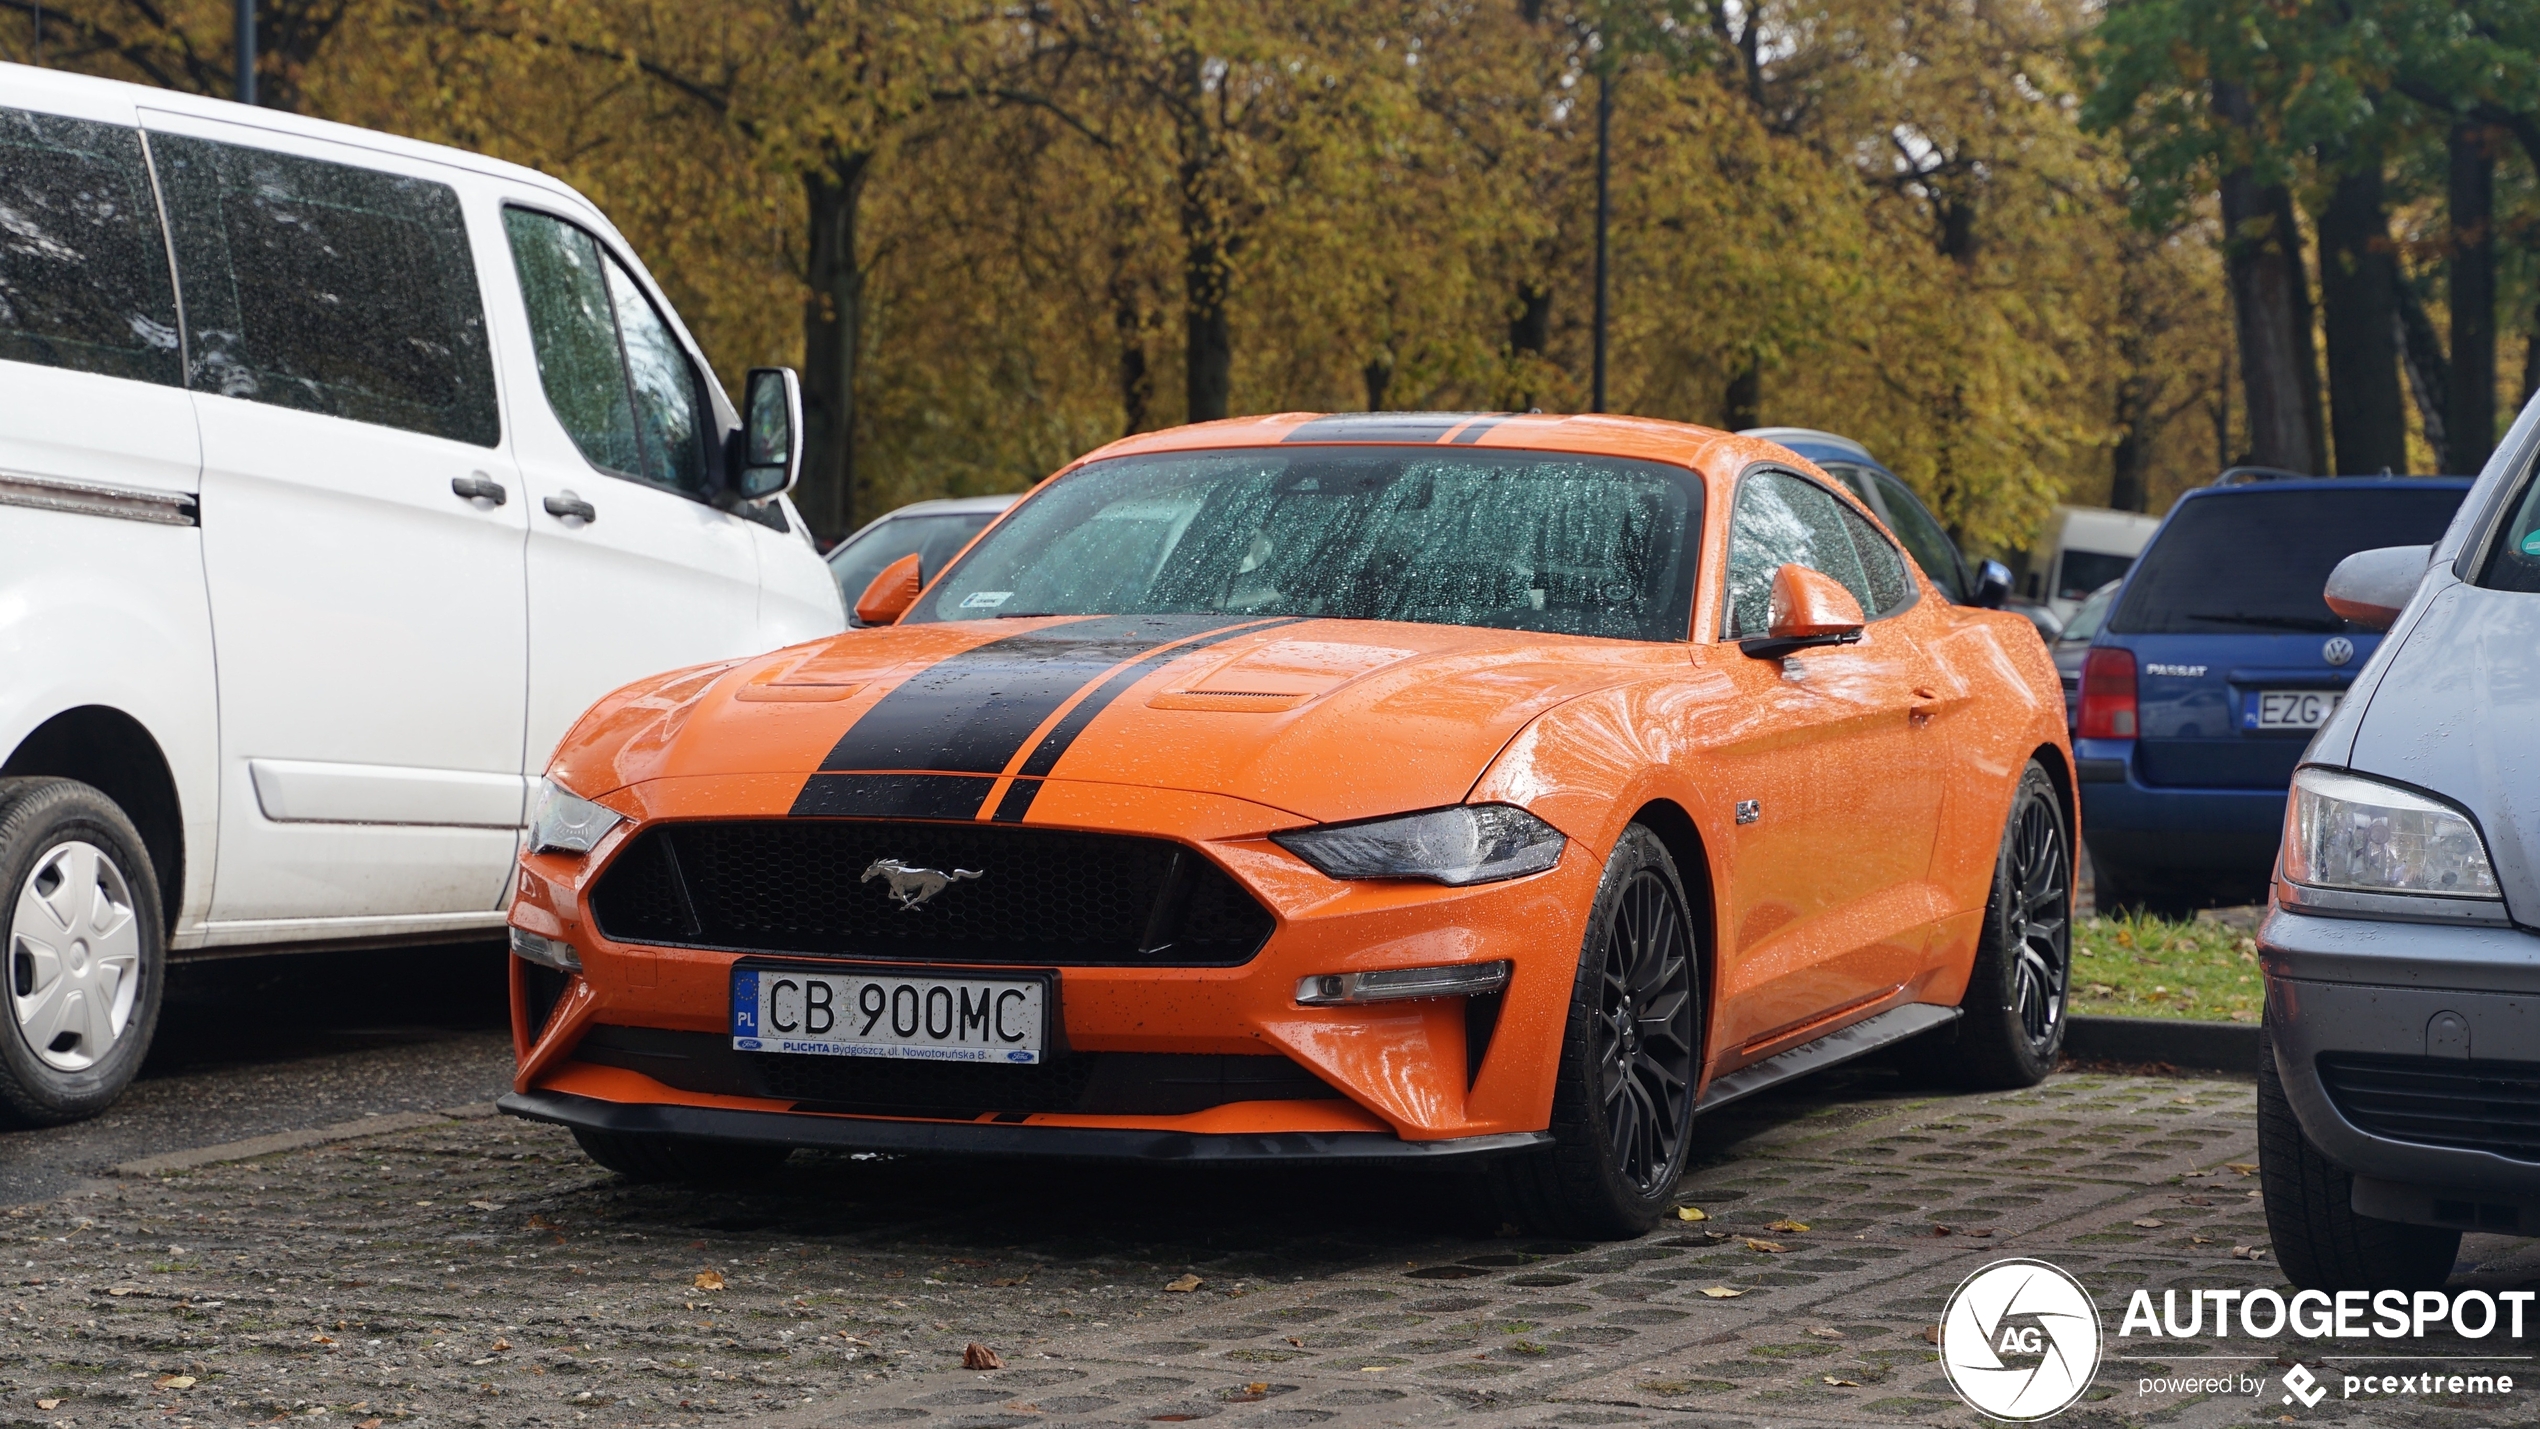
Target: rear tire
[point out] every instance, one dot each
(85, 957)
(690, 1159)
(2319, 1240)
(2012, 1020)
(1622, 1104)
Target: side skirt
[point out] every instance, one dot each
(1833, 1049)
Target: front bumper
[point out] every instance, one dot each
(842, 1133)
(2435, 998)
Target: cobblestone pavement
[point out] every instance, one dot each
(480, 1271)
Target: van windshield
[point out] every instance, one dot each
(2252, 561)
(1543, 541)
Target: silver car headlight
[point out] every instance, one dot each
(565, 822)
(1469, 843)
(2348, 832)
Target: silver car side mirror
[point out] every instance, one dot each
(771, 434)
(2370, 588)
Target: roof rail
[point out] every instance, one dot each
(2243, 475)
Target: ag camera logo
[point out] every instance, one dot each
(2020, 1340)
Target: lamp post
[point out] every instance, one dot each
(244, 90)
(1604, 217)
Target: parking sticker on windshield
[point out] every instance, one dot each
(2531, 544)
(985, 599)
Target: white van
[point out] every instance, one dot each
(338, 474)
(2082, 549)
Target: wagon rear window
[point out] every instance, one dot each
(1572, 545)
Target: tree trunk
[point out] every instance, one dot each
(2359, 281)
(1208, 347)
(1530, 331)
(2429, 371)
(1745, 405)
(1378, 374)
(2271, 309)
(833, 311)
(2472, 420)
(1129, 319)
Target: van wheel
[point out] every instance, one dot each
(86, 951)
(1622, 1104)
(692, 1159)
(2311, 1221)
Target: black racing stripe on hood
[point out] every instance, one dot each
(891, 796)
(1017, 801)
(969, 713)
(1045, 755)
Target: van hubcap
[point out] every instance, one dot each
(74, 956)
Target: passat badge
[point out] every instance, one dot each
(912, 886)
(2338, 650)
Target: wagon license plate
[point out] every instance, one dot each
(858, 1014)
(2290, 709)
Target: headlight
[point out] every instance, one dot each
(565, 822)
(2342, 831)
(1470, 843)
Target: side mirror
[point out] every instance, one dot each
(1809, 608)
(890, 595)
(771, 434)
(2370, 588)
(1993, 586)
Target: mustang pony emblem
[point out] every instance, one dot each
(911, 885)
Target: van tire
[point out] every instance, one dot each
(104, 946)
(2318, 1238)
(691, 1159)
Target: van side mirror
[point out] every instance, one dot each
(771, 434)
(1993, 586)
(1809, 608)
(892, 592)
(2370, 588)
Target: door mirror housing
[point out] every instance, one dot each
(1809, 608)
(2370, 588)
(892, 592)
(771, 435)
(1993, 586)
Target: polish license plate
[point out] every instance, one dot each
(2289, 709)
(871, 1014)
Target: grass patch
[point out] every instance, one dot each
(2153, 967)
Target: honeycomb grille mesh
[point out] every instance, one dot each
(1041, 895)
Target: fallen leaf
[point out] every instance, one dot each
(1011, 1279)
(2248, 1252)
(2245, 1168)
(2200, 1240)
(1825, 1332)
(1716, 1237)
(484, 1205)
(978, 1356)
(2149, 1223)
(48, 1404)
(1183, 1285)
(1840, 1383)
(1258, 1388)
(1721, 1292)
(1788, 1226)
(370, 1424)
(2184, 1101)
(1300, 1344)
(174, 1381)
(1980, 1232)
(321, 1339)
(1942, 1230)
(1931, 1334)
(499, 1346)
(1690, 1213)
(1766, 1246)
(709, 1280)
(125, 1290)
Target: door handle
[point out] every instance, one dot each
(570, 505)
(477, 486)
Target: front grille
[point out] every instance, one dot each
(1091, 1083)
(2440, 1101)
(1043, 896)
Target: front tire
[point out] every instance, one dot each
(2311, 1221)
(689, 1159)
(2013, 1018)
(1622, 1104)
(86, 951)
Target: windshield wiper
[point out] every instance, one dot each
(2273, 622)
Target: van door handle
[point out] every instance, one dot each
(477, 486)
(570, 505)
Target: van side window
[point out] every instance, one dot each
(613, 373)
(328, 288)
(83, 268)
(1782, 520)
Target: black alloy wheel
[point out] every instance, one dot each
(1644, 1032)
(1622, 1098)
(2039, 922)
(2012, 1020)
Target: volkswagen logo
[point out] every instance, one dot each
(2020, 1340)
(2338, 650)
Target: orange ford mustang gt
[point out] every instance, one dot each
(1396, 786)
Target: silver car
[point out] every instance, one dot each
(2399, 1093)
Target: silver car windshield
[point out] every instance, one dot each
(1543, 541)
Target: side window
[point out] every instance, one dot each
(1783, 520)
(1932, 548)
(328, 288)
(615, 376)
(83, 268)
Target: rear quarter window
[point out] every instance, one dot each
(83, 268)
(2255, 562)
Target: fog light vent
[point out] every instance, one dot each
(1401, 984)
